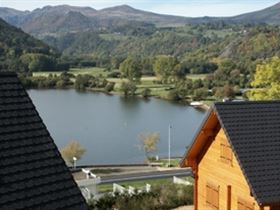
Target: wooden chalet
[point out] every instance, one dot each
(235, 157)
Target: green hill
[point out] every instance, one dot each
(270, 15)
(18, 50)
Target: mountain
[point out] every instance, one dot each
(64, 18)
(56, 23)
(12, 16)
(17, 46)
(129, 13)
(270, 15)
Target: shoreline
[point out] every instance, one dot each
(202, 106)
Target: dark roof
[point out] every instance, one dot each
(253, 130)
(33, 174)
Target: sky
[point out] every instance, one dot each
(189, 8)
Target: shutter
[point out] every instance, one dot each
(212, 196)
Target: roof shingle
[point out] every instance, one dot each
(32, 173)
(253, 130)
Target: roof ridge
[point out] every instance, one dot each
(246, 102)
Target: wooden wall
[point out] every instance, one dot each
(212, 169)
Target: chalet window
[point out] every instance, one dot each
(225, 152)
(212, 196)
(244, 205)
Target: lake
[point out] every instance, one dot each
(108, 127)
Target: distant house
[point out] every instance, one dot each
(33, 174)
(235, 157)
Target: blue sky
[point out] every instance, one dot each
(190, 8)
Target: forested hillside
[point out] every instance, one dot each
(21, 52)
(191, 44)
(129, 43)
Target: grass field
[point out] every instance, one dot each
(141, 183)
(136, 184)
(158, 90)
(94, 71)
(165, 162)
(196, 76)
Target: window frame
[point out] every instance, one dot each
(245, 205)
(226, 154)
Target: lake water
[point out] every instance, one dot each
(108, 126)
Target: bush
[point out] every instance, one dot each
(160, 198)
(199, 94)
(61, 84)
(128, 88)
(114, 74)
(109, 87)
(146, 92)
(173, 95)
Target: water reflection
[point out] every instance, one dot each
(109, 126)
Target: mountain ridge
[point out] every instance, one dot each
(42, 21)
(56, 19)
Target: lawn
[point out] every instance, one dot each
(94, 71)
(46, 73)
(136, 184)
(173, 162)
(158, 90)
(102, 188)
(196, 76)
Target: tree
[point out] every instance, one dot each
(73, 149)
(225, 92)
(173, 95)
(266, 81)
(84, 81)
(164, 67)
(38, 62)
(128, 88)
(131, 69)
(200, 94)
(109, 87)
(146, 92)
(148, 143)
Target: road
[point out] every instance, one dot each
(145, 175)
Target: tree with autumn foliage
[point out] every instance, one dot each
(266, 82)
(148, 143)
(71, 150)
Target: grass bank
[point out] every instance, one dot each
(147, 82)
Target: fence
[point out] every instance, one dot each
(130, 190)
